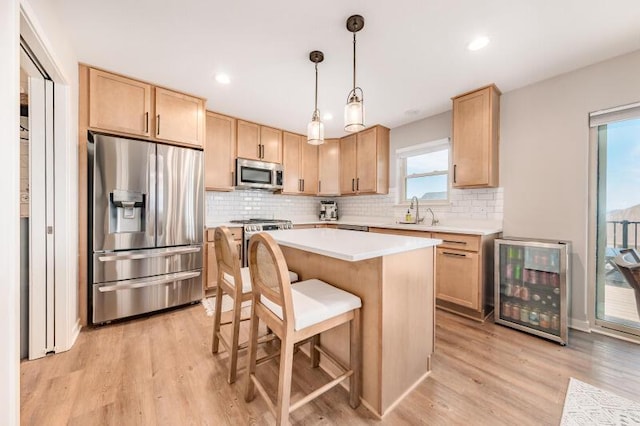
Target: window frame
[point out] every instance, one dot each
(420, 149)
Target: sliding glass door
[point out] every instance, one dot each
(618, 216)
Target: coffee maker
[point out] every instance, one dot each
(328, 210)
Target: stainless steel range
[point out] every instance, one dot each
(253, 226)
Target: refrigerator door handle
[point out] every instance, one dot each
(151, 190)
(144, 282)
(168, 252)
(159, 218)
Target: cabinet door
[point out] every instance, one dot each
(219, 152)
(291, 163)
(118, 104)
(348, 165)
(212, 266)
(475, 139)
(366, 161)
(248, 140)
(179, 117)
(329, 167)
(309, 167)
(457, 277)
(271, 140)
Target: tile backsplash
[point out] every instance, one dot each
(464, 204)
(225, 206)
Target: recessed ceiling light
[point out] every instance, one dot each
(478, 43)
(327, 116)
(223, 78)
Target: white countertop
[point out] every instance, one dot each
(477, 227)
(349, 245)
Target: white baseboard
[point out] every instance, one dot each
(580, 325)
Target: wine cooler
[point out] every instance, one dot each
(531, 286)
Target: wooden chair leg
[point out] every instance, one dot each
(355, 351)
(250, 391)
(235, 330)
(315, 354)
(284, 382)
(216, 320)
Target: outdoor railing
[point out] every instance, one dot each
(624, 233)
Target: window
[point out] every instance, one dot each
(424, 172)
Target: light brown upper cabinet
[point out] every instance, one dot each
(476, 130)
(219, 153)
(364, 162)
(329, 167)
(179, 117)
(119, 104)
(257, 142)
(122, 105)
(300, 163)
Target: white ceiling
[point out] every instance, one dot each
(412, 55)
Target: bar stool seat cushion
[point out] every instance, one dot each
(246, 279)
(315, 301)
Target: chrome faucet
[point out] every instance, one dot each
(434, 221)
(418, 218)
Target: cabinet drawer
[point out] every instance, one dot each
(457, 277)
(235, 231)
(458, 241)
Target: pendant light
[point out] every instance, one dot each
(354, 110)
(315, 129)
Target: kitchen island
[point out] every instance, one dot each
(394, 277)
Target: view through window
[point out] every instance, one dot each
(618, 220)
(425, 172)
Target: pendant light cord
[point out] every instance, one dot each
(354, 62)
(316, 98)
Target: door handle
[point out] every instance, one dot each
(136, 256)
(259, 151)
(158, 125)
(454, 242)
(358, 184)
(353, 184)
(447, 253)
(302, 184)
(146, 122)
(454, 173)
(131, 284)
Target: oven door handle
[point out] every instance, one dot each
(144, 282)
(135, 256)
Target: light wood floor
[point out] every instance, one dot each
(159, 370)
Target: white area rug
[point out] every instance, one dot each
(209, 304)
(588, 405)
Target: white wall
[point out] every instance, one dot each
(544, 162)
(9, 214)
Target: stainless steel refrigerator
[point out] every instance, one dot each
(532, 286)
(146, 225)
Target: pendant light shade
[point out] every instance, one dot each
(315, 128)
(354, 110)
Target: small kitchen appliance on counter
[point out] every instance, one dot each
(328, 210)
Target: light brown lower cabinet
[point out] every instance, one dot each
(210, 266)
(464, 271)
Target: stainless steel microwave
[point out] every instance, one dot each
(251, 174)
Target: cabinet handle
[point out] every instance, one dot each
(302, 185)
(299, 185)
(146, 122)
(259, 151)
(358, 184)
(158, 125)
(353, 184)
(455, 242)
(446, 253)
(454, 173)
(319, 186)
(232, 179)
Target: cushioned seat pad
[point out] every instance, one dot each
(315, 301)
